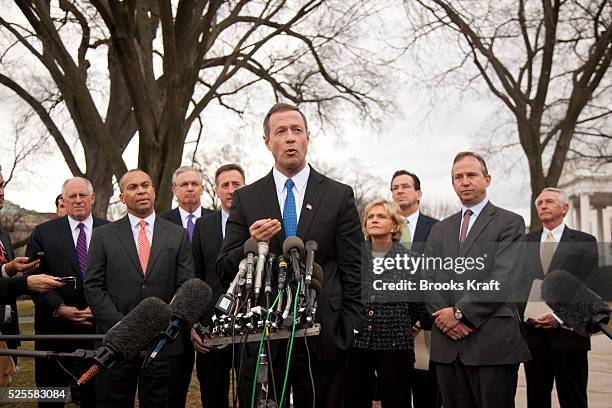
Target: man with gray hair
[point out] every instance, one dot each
(64, 243)
(559, 355)
(187, 188)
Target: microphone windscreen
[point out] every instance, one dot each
(191, 300)
(316, 285)
(250, 246)
(572, 301)
(138, 328)
(293, 242)
(317, 272)
(312, 245)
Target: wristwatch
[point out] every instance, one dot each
(457, 312)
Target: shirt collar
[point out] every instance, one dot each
(556, 232)
(413, 219)
(476, 209)
(184, 214)
(299, 179)
(135, 220)
(74, 224)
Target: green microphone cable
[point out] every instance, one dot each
(290, 346)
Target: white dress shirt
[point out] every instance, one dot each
(299, 188)
(224, 217)
(557, 232)
(134, 222)
(184, 215)
(412, 220)
(74, 228)
(476, 210)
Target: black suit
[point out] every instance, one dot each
(424, 386)
(55, 239)
(482, 368)
(329, 217)
(115, 284)
(559, 354)
(214, 367)
(179, 383)
(7, 297)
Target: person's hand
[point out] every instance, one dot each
(74, 315)
(86, 313)
(263, 230)
(42, 283)
(547, 321)
(197, 342)
(20, 265)
(445, 319)
(459, 331)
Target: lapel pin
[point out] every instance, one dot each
(309, 207)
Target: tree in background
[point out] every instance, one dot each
(102, 72)
(548, 64)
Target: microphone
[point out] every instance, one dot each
(579, 307)
(129, 336)
(268, 274)
(187, 306)
(262, 252)
(282, 273)
(292, 248)
(226, 302)
(250, 248)
(311, 247)
(316, 283)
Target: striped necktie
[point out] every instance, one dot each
(81, 247)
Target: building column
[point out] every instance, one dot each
(599, 227)
(585, 207)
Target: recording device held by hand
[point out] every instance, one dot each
(36, 257)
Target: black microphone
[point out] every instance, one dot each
(250, 249)
(293, 247)
(187, 306)
(282, 273)
(262, 252)
(579, 307)
(268, 274)
(316, 284)
(128, 337)
(311, 247)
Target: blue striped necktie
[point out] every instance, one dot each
(289, 213)
(81, 248)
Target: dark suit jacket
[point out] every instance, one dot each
(421, 233)
(114, 282)
(206, 244)
(333, 222)
(174, 216)
(10, 288)
(495, 238)
(54, 238)
(576, 253)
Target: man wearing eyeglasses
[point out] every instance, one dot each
(64, 242)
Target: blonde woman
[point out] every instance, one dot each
(383, 353)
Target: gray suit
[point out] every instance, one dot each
(114, 285)
(496, 339)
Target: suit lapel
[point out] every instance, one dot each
(311, 204)
(126, 236)
(419, 232)
(160, 236)
(455, 227)
(64, 235)
(533, 250)
(217, 233)
(562, 248)
(482, 220)
(269, 200)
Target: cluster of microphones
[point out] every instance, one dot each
(266, 289)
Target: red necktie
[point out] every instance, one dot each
(464, 226)
(3, 255)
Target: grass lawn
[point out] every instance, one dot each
(24, 378)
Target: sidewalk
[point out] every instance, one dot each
(600, 376)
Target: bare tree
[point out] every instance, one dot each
(167, 61)
(547, 62)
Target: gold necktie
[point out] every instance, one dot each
(546, 252)
(407, 235)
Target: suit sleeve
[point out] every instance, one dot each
(348, 243)
(184, 266)
(104, 310)
(52, 299)
(10, 288)
(506, 269)
(236, 233)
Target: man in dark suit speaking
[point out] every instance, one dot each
(294, 199)
(136, 257)
(559, 355)
(476, 341)
(65, 242)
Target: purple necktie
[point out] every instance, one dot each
(190, 218)
(464, 226)
(81, 248)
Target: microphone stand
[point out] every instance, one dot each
(66, 337)
(52, 355)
